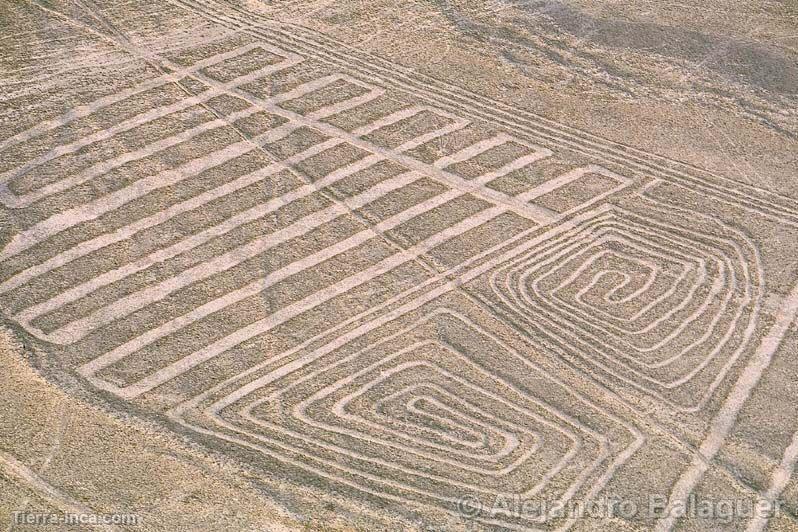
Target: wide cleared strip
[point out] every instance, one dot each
(183, 321)
(129, 304)
(535, 213)
(457, 124)
(11, 200)
(92, 107)
(123, 233)
(723, 422)
(570, 177)
(472, 151)
(254, 213)
(104, 167)
(329, 110)
(93, 210)
(261, 326)
(779, 480)
(42, 231)
(260, 284)
(135, 121)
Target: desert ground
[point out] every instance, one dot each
(436, 265)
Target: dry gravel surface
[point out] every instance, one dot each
(435, 265)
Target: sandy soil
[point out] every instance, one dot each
(443, 265)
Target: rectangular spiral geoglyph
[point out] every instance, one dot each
(364, 276)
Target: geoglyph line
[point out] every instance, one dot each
(14, 201)
(92, 210)
(292, 367)
(476, 185)
(254, 287)
(428, 292)
(278, 447)
(27, 315)
(300, 411)
(732, 276)
(127, 305)
(16, 469)
(125, 350)
(724, 420)
(220, 346)
(450, 96)
(11, 200)
(234, 339)
(779, 479)
(535, 213)
(92, 107)
(475, 438)
(559, 322)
